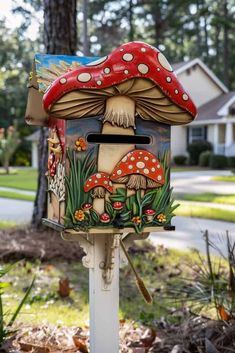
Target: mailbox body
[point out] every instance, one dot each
(108, 147)
(133, 209)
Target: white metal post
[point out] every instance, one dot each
(104, 299)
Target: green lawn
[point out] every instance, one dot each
(16, 196)
(7, 224)
(192, 210)
(46, 306)
(25, 179)
(187, 168)
(208, 197)
(228, 178)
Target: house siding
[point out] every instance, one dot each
(178, 140)
(200, 87)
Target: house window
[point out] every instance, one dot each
(197, 134)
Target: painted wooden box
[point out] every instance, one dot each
(109, 138)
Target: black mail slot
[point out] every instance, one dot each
(119, 139)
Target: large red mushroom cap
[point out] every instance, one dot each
(139, 163)
(99, 181)
(153, 86)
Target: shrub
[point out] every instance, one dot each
(204, 158)
(180, 159)
(231, 161)
(196, 148)
(218, 161)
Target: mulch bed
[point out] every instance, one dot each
(194, 335)
(33, 244)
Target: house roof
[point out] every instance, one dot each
(34, 137)
(213, 109)
(183, 66)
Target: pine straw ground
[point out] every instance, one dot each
(194, 334)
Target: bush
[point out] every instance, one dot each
(196, 148)
(218, 161)
(180, 159)
(204, 159)
(231, 161)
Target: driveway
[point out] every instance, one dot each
(197, 182)
(17, 211)
(189, 234)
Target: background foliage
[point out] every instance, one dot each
(182, 29)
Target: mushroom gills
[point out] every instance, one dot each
(98, 192)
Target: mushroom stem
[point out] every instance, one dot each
(98, 205)
(119, 110)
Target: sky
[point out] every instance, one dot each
(13, 20)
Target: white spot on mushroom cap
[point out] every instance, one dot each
(105, 182)
(84, 77)
(146, 158)
(140, 165)
(97, 62)
(107, 70)
(128, 57)
(96, 181)
(158, 166)
(153, 169)
(98, 82)
(143, 69)
(159, 177)
(176, 91)
(143, 50)
(130, 166)
(132, 158)
(63, 80)
(119, 172)
(98, 175)
(124, 159)
(146, 171)
(185, 97)
(164, 63)
(126, 72)
(169, 79)
(154, 160)
(158, 69)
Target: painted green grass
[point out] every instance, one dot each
(45, 306)
(226, 178)
(208, 197)
(25, 179)
(192, 210)
(16, 196)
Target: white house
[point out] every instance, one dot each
(216, 110)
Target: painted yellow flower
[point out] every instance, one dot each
(80, 144)
(161, 218)
(136, 220)
(79, 215)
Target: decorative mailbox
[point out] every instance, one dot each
(109, 138)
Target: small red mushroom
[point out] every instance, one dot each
(139, 169)
(149, 214)
(104, 218)
(99, 182)
(118, 206)
(86, 207)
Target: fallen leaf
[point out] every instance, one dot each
(148, 337)
(223, 313)
(36, 349)
(64, 288)
(80, 343)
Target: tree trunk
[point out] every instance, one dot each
(60, 37)
(226, 45)
(6, 167)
